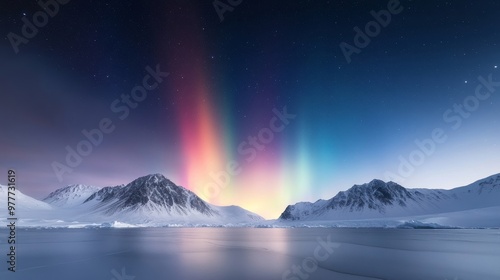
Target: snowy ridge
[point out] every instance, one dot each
(23, 202)
(379, 199)
(70, 196)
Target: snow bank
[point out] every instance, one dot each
(117, 224)
(412, 224)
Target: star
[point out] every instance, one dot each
(495, 67)
(465, 81)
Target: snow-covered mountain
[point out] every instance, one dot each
(152, 194)
(71, 195)
(23, 202)
(379, 199)
(151, 199)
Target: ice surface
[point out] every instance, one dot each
(249, 254)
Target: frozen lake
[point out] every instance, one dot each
(249, 253)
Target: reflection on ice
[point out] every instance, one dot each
(251, 253)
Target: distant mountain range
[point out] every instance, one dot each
(379, 199)
(153, 200)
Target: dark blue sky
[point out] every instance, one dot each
(415, 79)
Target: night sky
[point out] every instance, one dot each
(417, 104)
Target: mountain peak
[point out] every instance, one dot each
(70, 195)
(376, 182)
(156, 180)
(374, 195)
(155, 177)
(153, 193)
